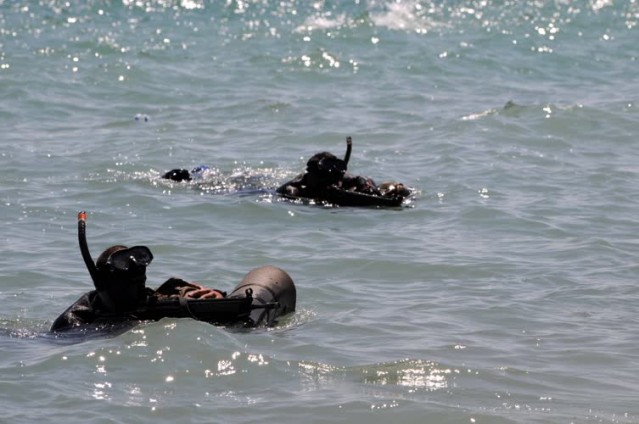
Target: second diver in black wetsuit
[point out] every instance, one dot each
(325, 171)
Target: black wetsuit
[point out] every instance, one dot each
(89, 309)
(303, 188)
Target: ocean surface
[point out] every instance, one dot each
(504, 291)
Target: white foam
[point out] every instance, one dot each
(403, 15)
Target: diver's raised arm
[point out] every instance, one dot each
(84, 249)
(349, 147)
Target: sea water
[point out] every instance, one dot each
(505, 291)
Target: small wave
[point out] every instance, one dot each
(321, 22)
(155, 5)
(408, 15)
(19, 333)
(413, 374)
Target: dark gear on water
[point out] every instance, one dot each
(180, 174)
(177, 175)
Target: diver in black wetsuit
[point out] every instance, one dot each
(324, 172)
(121, 276)
(121, 299)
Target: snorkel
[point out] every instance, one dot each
(84, 249)
(349, 147)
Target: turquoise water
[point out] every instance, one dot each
(504, 292)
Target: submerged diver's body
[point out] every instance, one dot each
(121, 293)
(324, 175)
(325, 172)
